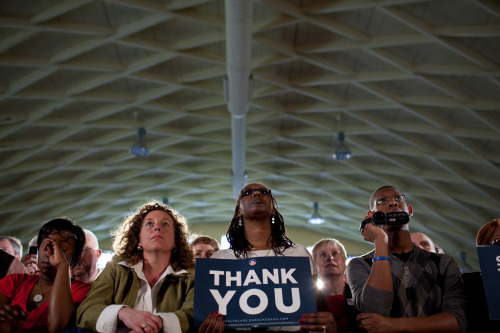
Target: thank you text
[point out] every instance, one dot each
(254, 292)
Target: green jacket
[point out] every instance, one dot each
(119, 284)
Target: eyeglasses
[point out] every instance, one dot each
(385, 201)
(64, 233)
(250, 191)
(496, 241)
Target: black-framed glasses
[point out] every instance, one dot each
(496, 241)
(385, 201)
(250, 191)
(47, 231)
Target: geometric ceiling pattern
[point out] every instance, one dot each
(413, 84)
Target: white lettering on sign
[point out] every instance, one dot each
(253, 277)
(223, 301)
(278, 296)
(263, 301)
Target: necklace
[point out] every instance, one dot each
(39, 297)
(407, 278)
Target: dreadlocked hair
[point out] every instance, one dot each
(278, 241)
(126, 237)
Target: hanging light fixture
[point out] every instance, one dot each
(316, 218)
(342, 153)
(139, 148)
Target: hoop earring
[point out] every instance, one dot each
(272, 219)
(240, 221)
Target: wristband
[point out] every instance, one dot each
(381, 258)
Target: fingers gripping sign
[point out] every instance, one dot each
(318, 322)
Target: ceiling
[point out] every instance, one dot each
(414, 85)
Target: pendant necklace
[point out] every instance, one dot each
(39, 297)
(407, 279)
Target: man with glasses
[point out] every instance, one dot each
(399, 287)
(87, 269)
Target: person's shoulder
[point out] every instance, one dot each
(364, 259)
(77, 284)
(296, 250)
(223, 254)
(19, 279)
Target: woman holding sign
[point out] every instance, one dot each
(148, 285)
(478, 319)
(258, 230)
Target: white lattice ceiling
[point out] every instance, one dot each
(415, 83)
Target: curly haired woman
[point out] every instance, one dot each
(148, 285)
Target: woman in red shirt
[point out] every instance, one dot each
(46, 302)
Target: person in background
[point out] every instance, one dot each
(148, 285)
(439, 249)
(30, 260)
(12, 245)
(46, 302)
(399, 287)
(10, 265)
(87, 270)
(489, 234)
(477, 309)
(423, 241)
(204, 246)
(334, 294)
(257, 229)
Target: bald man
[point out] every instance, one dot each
(87, 269)
(423, 241)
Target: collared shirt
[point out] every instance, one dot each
(146, 301)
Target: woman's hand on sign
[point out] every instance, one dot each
(318, 322)
(212, 324)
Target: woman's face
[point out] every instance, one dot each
(256, 200)
(329, 261)
(202, 250)
(64, 239)
(157, 232)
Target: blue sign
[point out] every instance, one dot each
(254, 292)
(489, 261)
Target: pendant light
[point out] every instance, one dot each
(315, 217)
(139, 148)
(342, 153)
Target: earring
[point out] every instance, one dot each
(272, 219)
(139, 248)
(240, 221)
(174, 250)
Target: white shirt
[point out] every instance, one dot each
(146, 301)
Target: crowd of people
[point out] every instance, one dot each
(405, 284)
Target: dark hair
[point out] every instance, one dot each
(65, 223)
(126, 238)
(278, 241)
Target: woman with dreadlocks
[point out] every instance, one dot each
(258, 230)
